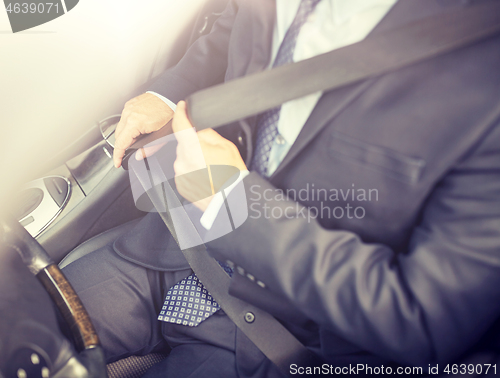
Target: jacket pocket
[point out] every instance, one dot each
(392, 163)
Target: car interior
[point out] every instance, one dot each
(64, 199)
(75, 201)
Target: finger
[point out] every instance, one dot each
(210, 136)
(184, 132)
(121, 124)
(189, 150)
(118, 153)
(181, 121)
(124, 141)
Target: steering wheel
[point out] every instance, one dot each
(31, 343)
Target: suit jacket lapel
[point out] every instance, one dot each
(256, 20)
(260, 40)
(322, 113)
(262, 35)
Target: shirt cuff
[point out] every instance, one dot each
(208, 218)
(164, 99)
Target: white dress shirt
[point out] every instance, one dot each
(333, 24)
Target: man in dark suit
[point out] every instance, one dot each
(401, 172)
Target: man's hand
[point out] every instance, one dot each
(216, 151)
(141, 115)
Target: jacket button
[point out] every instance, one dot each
(261, 284)
(230, 264)
(241, 138)
(249, 317)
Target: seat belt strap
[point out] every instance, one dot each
(269, 335)
(374, 56)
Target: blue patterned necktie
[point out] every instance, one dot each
(267, 124)
(188, 302)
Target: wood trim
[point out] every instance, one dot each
(70, 306)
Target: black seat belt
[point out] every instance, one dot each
(259, 326)
(222, 104)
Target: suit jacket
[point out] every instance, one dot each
(412, 275)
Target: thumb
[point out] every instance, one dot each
(181, 121)
(188, 144)
(210, 136)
